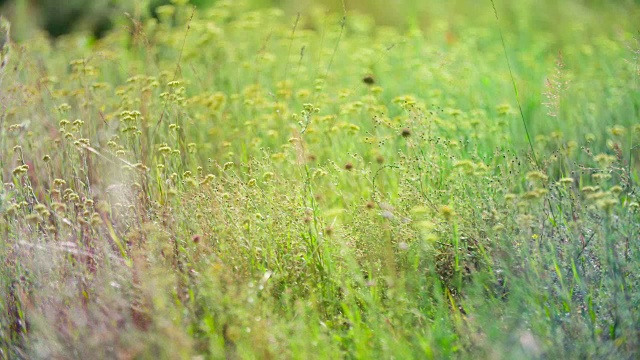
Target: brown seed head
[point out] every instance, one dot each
(369, 80)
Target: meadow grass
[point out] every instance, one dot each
(240, 182)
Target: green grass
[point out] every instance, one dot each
(244, 182)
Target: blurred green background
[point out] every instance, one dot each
(97, 16)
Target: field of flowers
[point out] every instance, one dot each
(241, 182)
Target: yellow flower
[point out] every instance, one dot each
(447, 212)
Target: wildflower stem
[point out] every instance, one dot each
(293, 33)
(175, 72)
(515, 87)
